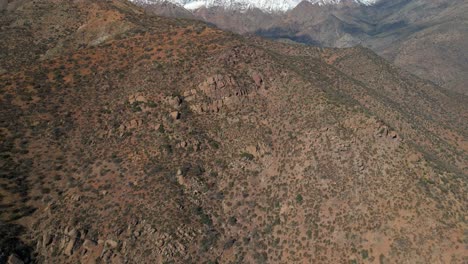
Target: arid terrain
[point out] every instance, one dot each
(425, 37)
(134, 138)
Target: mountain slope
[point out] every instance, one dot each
(432, 41)
(427, 38)
(136, 138)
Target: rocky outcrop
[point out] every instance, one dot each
(219, 86)
(189, 144)
(223, 91)
(132, 124)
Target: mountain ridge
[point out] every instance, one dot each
(242, 5)
(405, 32)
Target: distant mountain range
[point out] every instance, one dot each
(427, 38)
(264, 5)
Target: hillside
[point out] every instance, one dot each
(426, 38)
(129, 138)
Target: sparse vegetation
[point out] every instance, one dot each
(272, 156)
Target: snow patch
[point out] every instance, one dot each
(264, 5)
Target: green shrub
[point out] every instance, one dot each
(364, 254)
(299, 199)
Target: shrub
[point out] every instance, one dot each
(214, 144)
(299, 199)
(247, 156)
(364, 254)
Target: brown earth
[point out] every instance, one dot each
(129, 138)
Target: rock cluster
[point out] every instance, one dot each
(222, 91)
(137, 98)
(384, 132)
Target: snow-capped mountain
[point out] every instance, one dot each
(335, 2)
(265, 5)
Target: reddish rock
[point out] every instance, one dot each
(69, 248)
(137, 99)
(89, 244)
(175, 101)
(111, 243)
(175, 115)
(257, 78)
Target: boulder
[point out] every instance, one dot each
(141, 98)
(187, 93)
(72, 233)
(257, 78)
(252, 150)
(175, 115)
(137, 99)
(89, 244)
(135, 123)
(175, 101)
(111, 243)
(69, 248)
(46, 239)
(156, 127)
